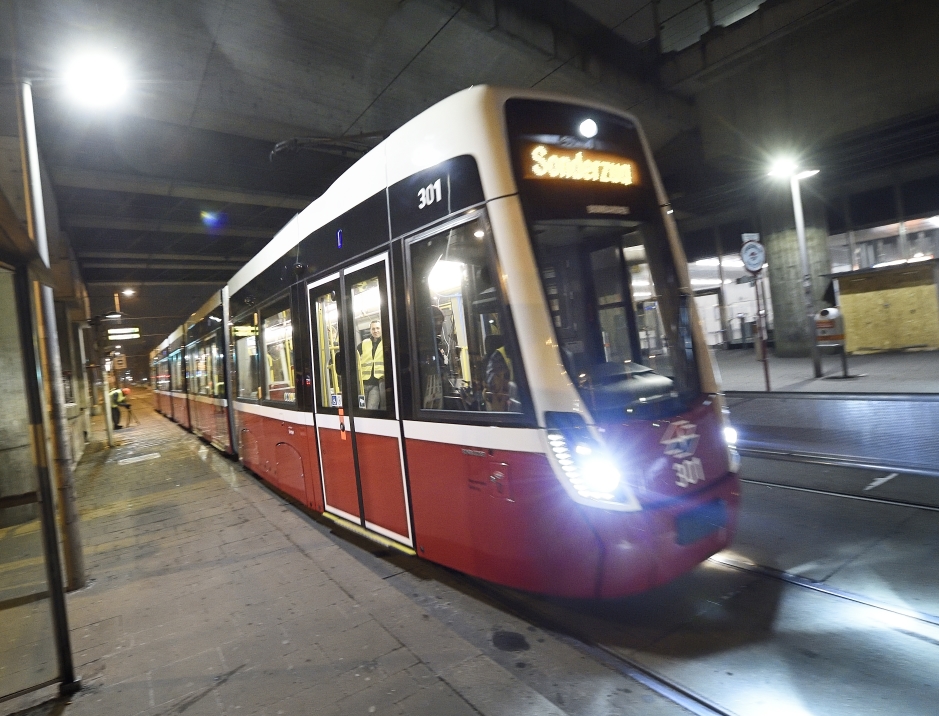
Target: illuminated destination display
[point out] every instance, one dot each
(582, 165)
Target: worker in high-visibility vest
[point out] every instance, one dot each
(118, 401)
(371, 359)
(500, 394)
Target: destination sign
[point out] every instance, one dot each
(543, 162)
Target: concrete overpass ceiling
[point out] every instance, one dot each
(176, 188)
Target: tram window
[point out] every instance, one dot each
(205, 359)
(245, 334)
(163, 374)
(465, 361)
(197, 369)
(176, 372)
(612, 290)
(277, 334)
(370, 345)
(326, 318)
(218, 366)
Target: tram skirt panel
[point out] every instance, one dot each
(531, 536)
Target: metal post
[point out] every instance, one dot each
(68, 682)
(65, 478)
(806, 274)
(760, 322)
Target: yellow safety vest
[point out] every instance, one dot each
(371, 362)
(508, 361)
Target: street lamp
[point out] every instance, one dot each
(787, 168)
(99, 81)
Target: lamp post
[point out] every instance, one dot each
(788, 169)
(97, 81)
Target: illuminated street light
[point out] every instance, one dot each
(96, 80)
(128, 292)
(788, 168)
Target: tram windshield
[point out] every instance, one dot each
(607, 270)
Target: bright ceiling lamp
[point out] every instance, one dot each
(446, 277)
(96, 80)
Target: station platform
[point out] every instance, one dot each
(902, 372)
(210, 594)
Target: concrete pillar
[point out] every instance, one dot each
(785, 269)
(17, 472)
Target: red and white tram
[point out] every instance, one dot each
(479, 345)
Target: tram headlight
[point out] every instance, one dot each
(583, 462)
(730, 439)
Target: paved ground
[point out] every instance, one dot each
(915, 372)
(211, 595)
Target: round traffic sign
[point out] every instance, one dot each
(753, 255)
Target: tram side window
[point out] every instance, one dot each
(245, 334)
(196, 362)
(466, 362)
(217, 358)
(176, 372)
(326, 318)
(278, 351)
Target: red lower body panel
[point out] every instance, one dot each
(339, 471)
(530, 536)
(180, 409)
(382, 482)
(524, 531)
(283, 453)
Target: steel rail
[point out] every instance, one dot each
(662, 685)
(864, 397)
(833, 461)
(816, 586)
(845, 495)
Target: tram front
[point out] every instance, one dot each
(643, 441)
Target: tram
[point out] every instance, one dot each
(479, 346)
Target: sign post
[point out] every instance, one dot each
(753, 255)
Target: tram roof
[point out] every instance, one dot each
(464, 123)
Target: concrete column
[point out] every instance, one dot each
(785, 269)
(18, 474)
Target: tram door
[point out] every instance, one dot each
(356, 405)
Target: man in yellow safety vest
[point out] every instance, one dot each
(371, 358)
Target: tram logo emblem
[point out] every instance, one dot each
(680, 439)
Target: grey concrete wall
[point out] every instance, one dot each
(17, 473)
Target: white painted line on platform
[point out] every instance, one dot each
(878, 481)
(139, 458)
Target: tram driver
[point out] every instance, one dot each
(371, 360)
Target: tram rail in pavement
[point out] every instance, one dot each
(886, 431)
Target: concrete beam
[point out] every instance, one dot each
(160, 265)
(166, 227)
(150, 258)
(135, 283)
(127, 183)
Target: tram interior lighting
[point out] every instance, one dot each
(588, 128)
(96, 80)
(445, 277)
(366, 302)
